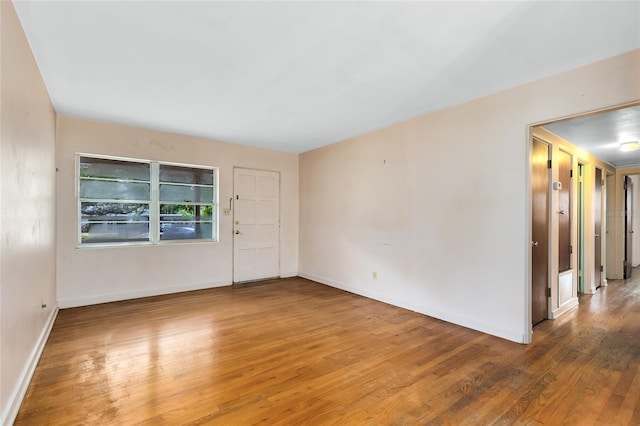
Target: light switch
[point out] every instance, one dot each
(226, 211)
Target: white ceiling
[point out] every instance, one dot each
(601, 134)
(294, 76)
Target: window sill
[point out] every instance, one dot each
(143, 244)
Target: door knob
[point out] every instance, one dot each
(534, 243)
(238, 232)
(596, 235)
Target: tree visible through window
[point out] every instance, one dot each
(129, 201)
(186, 202)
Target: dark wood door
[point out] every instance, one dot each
(564, 207)
(628, 226)
(597, 222)
(539, 230)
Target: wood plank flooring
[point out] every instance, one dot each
(296, 352)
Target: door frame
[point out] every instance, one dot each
(615, 223)
(581, 234)
(628, 221)
(598, 270)
(609, 225)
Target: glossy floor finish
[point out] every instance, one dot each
(296, 352)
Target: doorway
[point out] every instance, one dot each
(610, 191)
(597, 232)
(581, 272)
(628, 227)
(256, 230)
(540, 169)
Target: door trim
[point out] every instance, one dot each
(581, 228)
(628, 223)
(598, 222)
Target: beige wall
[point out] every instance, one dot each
(439, 206)
(27, 221)
(94, 275)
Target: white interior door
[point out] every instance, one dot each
(256, 231)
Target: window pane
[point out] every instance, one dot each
(187, 194)
(114, 232)
(175, 230)
(109, 190)
(114, 169)
(113, 222)
(114, 211)
(179, 174)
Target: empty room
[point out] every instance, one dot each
(319, 212)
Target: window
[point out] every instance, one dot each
(137, 201)
(186, 202)
(115, 200)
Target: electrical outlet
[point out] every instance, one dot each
(374, 275)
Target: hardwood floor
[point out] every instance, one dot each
(296, 352)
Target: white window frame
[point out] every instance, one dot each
(154, 204)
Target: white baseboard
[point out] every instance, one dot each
(567, 306)
(590, 290)
(10, 411)
(288, 274)
(517, 336)
(116, 297)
